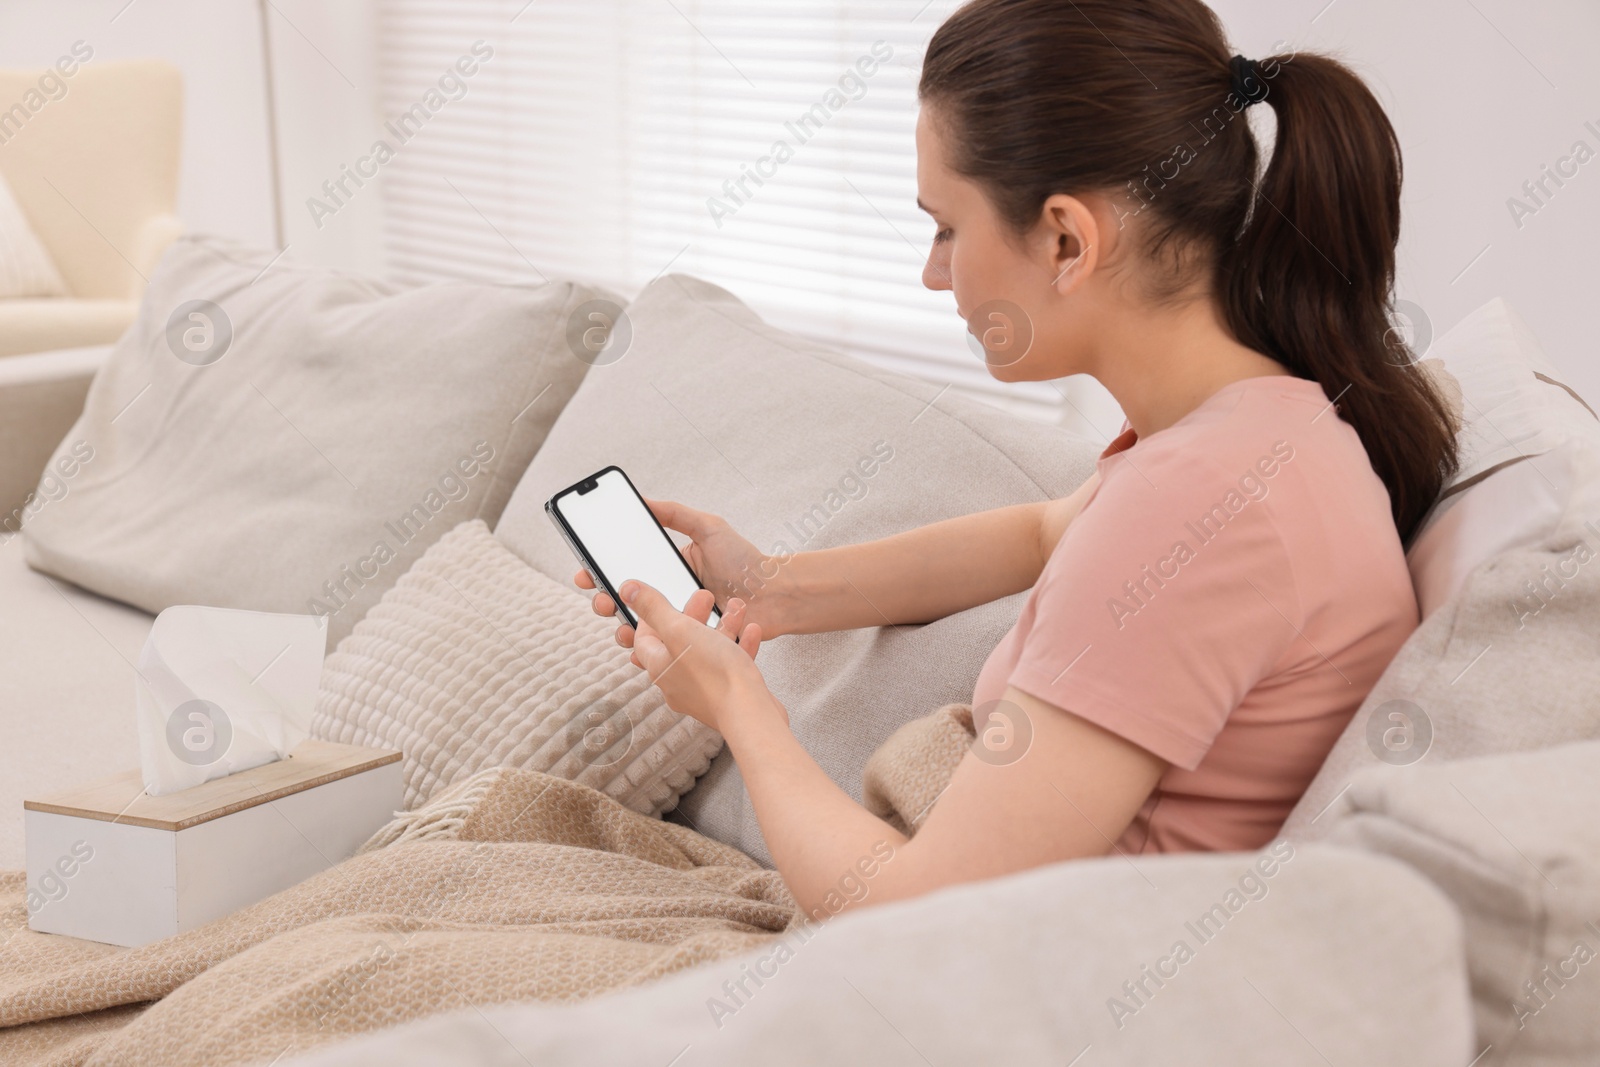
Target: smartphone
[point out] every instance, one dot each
(616, 537)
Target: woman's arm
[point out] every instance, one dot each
(1069, 795)
(912, 577)
(922, 574)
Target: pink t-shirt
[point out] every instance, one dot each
(1225, 600)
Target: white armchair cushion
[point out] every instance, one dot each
(26, 269)
(107, 150)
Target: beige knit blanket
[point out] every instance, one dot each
(513, 885)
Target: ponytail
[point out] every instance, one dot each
(1309, 281)
(1039, 101)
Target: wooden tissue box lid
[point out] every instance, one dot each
(121, 798)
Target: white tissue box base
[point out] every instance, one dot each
(139, 883)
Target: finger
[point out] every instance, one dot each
(750, 639)
(650, 606)
(698, 606)
(625, 635)
(683, 518)
(652, 654)
(732, 619)
(582, 580)
(603, 605)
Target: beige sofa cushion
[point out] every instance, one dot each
(715, 408)
(41, 396)
(302, 464)
(476, 660)
(1514, 841)
(1342, 958)
(66, 688)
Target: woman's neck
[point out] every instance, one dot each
(1160, 366)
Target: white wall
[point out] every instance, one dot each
(325, 79)
(1482, 94)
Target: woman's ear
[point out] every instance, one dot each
(1071, 238)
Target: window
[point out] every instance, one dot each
(765, 146)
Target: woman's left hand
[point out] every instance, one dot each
(700, 670)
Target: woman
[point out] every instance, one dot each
(1211, 606)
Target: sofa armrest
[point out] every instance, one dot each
(1357, 956)
(41, 396)
(1511, 839)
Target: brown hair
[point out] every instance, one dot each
(1136, 97)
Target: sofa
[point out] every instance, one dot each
(1434, 899)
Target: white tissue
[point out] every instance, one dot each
(221, 690)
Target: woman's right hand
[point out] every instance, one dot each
(725, 562)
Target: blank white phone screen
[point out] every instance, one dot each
(621, 537)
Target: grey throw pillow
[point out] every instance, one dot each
(800, 447)
(287, 438)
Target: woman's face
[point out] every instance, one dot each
(1005, 287)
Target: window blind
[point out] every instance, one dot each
(765, 146)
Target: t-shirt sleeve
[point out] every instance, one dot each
(1165, 602)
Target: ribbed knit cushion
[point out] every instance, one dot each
(475, 660)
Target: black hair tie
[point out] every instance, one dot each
(1248, 84)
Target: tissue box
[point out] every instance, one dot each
(108, 862)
